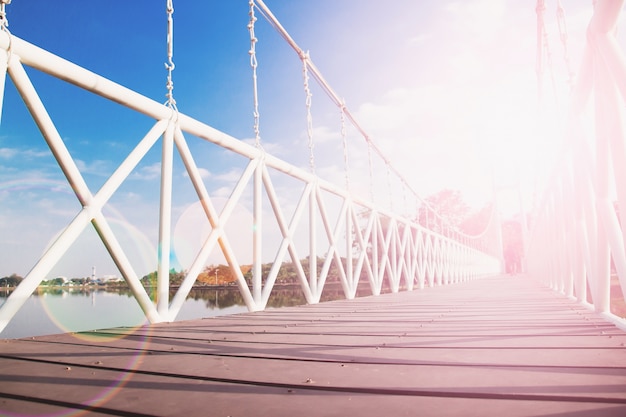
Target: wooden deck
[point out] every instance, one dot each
(494, 347)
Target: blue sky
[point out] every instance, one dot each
(447, 89)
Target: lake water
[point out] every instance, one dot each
(74, 310)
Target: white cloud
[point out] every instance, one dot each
(230, 177)
(450, 135)
(148, 172)
(222, 192)
(95, 167)
(7, 153)
(66, 208)
(276, 149)
(478, 17)
(323, 134)
(33, 153)
(131, 196)
(204, 173)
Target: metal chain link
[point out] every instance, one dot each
(344, 138)
(309, 117)
(309, 67)
(562, 23)
(540, 10)
(544, 45)
(169, 65)
(254, 65)
(4, 22)
(404, 197)
(389, 185)
(371, 166)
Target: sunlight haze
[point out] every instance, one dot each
(447, 90)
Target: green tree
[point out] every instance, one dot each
(11, 281)
(80, 281)
(150, 280)
(477, 222)
(56, 281)
(443, 210)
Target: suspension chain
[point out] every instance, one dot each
(540, 10)
(4, 26)
(405, 199)
(543, 45)
(4, 22)
(371, 167)
(309, 67)
(169, 65)
(546, 43)
(560, 18)
(344, 138)
(254, 65)
(309, 117)
(389, 185)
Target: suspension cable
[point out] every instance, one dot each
(371, 169)
(309, 118)
(4, 22)
(4, 26)
(169, 65)
(254, 65)
(344, 140)
(540, 10)
(548, 54)
(389, 186)
(405, 200)
(316, 74)
(563, 35)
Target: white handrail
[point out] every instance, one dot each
(399, 251)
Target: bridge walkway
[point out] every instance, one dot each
(497, 346)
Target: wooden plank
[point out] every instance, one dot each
(502, 346)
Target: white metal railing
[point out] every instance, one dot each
(577, 229)
(385, 246)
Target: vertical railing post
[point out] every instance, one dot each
(257, 230)
(165, 221)
(602, 174)
(551, 236)
(375, 270)
(313, 242)
(562, 235)
(350, 242)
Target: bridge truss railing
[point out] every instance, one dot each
(363, 240)
(580, 227)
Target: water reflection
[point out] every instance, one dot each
(73, 309)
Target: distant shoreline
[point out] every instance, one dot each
(124, 286)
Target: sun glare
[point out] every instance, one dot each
(473, 122)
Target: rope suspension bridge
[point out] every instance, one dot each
(575, 241)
